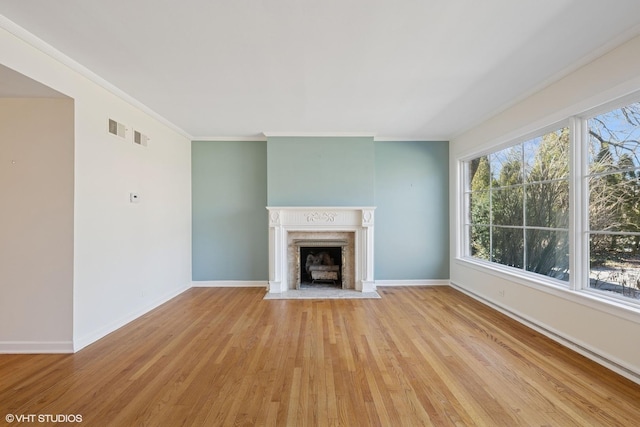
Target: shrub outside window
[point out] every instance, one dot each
(518, 205)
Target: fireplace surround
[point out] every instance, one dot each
(288, 226)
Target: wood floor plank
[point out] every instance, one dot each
(426, 356)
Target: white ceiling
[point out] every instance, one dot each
(410, 69)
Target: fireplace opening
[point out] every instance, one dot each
(321, 266)
(320, 263)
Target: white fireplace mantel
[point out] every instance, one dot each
(284, 220)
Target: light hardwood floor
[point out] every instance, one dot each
(418, 356)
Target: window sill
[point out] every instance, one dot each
(627, 310)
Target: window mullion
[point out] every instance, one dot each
(578, 204)
(490, 208)
(524, 211)
(464, 240)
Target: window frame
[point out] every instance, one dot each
(578, 226)
(464, 223)
(585, 231)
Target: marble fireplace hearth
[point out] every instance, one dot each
(288, 226)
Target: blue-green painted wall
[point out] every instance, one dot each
(412, 215)
(233, 182)
(321, 171)
(229, 192)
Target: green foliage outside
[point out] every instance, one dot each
(521, 194)
(519, 203)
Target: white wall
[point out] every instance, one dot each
(128, 258)
(608, 331)
(36, 224)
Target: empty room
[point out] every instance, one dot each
(296, 213)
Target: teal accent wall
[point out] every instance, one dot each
(321, 171)
(234, 181)
(229, 196)
(412, 215)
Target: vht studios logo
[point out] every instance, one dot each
(43, 418)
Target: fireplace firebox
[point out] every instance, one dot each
(320, 262)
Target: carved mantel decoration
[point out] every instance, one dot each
(289, 224)
(321, 216)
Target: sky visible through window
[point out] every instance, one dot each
(614, 201)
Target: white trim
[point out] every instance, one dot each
(431, 138)
(460, 229)
(230, 284)
(230, 138)
(35, 347)
(54, 53)
(411, 139)
(425, 282)
(319, 134)
(311, 208)
(265, 283)
(286, 220)
(265, 135)
(577, 289)
(619, 95)
(574, 344)
(608, 106)
(519, 136)
(578, 209)
(90, 338)
(586, 297)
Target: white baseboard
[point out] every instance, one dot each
(229, 284)
(84, 341)
(559, 337)
(412, 282)
(265, 283)
(35, 347)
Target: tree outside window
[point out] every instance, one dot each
(614, 201)
(518, 202)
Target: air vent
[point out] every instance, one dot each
(140, 138)
(117, 129)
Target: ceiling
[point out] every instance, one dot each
(403, 69)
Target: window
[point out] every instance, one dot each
(613, 183)
(518, 205)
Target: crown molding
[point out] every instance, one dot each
(411, 139)
(320, 134)
(230, 138)
(44, 47)
(266, 135)
(356, 135)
